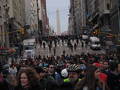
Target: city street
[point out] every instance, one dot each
(59, 44)
(60, 48)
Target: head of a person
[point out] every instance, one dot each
(28, 77)
(114, 66)
(40, 72)
(105, 65)
(91, 73)
(51, 69)
(73, 72)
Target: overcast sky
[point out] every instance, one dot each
(63, 6)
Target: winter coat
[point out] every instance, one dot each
(37, 87)
(113, 81)
(4, 85)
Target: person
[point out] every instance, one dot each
(13, 70)
(73, 77)
(11, 80)
(91, 81)
(114, 76)
(54, 50)
(52, 83)
(44, 45)
(28, 79)
(75, 46)
(3, 83)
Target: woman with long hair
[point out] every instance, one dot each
(91, 80)
(28, 79)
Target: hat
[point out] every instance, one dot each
(97, 65)
(73, 68)
(83, 67)
(64, 73)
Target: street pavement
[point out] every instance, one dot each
(60, 48)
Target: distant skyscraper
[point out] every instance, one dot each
(58, 22)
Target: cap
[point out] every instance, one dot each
(82, 67)
(98, 65)
(64, 73)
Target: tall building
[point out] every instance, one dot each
(77, 17)
(31, 17)
(92, 13)
(71, 21)
(4, 23)
(58, 22)
(80, 14)
(16, 22)
(36, 17)
(44, 23)
(115, 18)
(98, 16)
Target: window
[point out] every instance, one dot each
(108, 6)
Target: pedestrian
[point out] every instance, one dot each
(42, 77)
(75, 46)
(3, 83)
(114, 76)
(44, 45)
(73, 77)
(91, 80)
(54, 51)
(13, 69)
(52, 83)
(82, 44)
(28, 79)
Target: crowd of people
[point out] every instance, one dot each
(78, 72)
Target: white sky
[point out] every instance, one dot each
(63, 6)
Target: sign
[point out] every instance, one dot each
(3, 51)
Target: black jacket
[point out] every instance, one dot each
(37, 87)
(67, 86)
(113, 81)
(4, 85)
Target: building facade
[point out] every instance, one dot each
(115, 18)
(81, 20)
(31, 17)
(16, 21)
(77, 17)
(72, 23)
(4, 8)
(36, 17)
(98, 16)
(44, 23)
